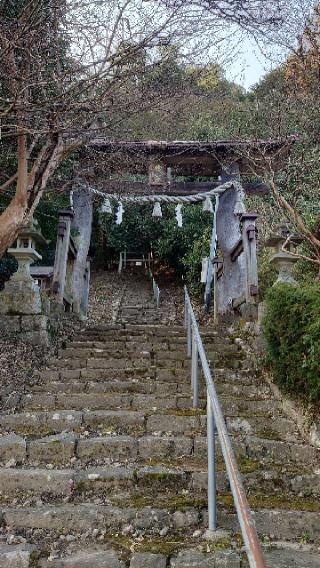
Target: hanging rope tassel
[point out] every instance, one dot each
(119, 214)
(207, 205)
(157, 210)
(106, 206)
(179, 215)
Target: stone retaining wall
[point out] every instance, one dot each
(30, 329)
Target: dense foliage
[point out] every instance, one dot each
(292, 330)
(181, 248)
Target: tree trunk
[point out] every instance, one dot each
(30, 187)
(10, 223)
(13, 216)
(82, 222)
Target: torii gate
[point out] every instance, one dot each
(234, 272)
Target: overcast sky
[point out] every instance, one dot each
(250, 66)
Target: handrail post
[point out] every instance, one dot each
(195, 372)
(212, 474)
(185, 309)
(216, 425)
(189, 335)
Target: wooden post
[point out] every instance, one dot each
(250, 253)
(61, 256)
(85, 293)
(157, 173)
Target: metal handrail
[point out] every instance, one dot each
(216, 423)
(155, 289)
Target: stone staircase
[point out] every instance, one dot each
(137, 306)
(103, 460)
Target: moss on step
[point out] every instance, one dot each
(185, 411)
(166, 545)
(195, 463)
(158, 476)
(249, 465)
(156, 545)
(268, 434)
(256, 414)
(172, 502)
(185, 501)
(275, 501)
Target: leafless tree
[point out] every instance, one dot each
(72, 68)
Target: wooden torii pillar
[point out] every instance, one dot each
(61, 257)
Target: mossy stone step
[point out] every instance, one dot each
(284, 524)
(35, 424)
(146, 386)
(86, 559)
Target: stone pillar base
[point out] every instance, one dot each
(30, 329)
(249, 311)
(20, 297)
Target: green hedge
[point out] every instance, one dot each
(292, 331)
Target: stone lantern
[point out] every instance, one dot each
(284, 261)
(21, 294)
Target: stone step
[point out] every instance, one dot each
(165, 375)
(145, 386)
(128, 448)
(285, 524)
(97, 401)
(130, 349)
(156, 330)
(64, 482)
(37, 423)
(149, 342)
(232, 406)
(34, 424)
(291, 558)
(185, 420)
(165, 420)
(182, 559)
(184, 375)
(155, 343)
(185, 363)
(87, 559)
(142, 362)
(144, 481)
(266, 450)
(99, 353)
(276, 428)
(16, 556)
(61, 448)
(101, 363)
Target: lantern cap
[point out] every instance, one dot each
(32, 231)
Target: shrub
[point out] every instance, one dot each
(292, 331)
(8, 265)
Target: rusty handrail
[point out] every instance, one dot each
(215, 420)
